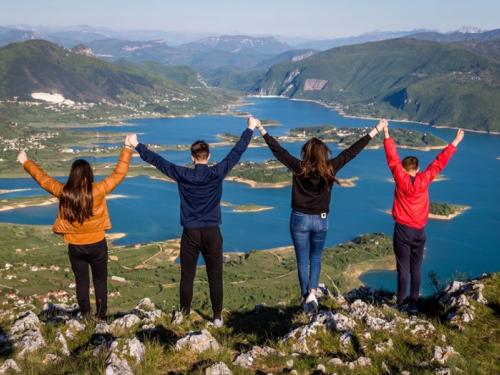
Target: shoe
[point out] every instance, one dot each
(412, 307)
(312, 304)
(218, 323)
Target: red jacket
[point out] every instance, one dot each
(411, 199)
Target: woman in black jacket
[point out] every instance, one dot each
(313, 179)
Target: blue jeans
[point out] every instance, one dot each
(308, 235)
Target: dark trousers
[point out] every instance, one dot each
(208, 241)
(409, 246)
(96, 256)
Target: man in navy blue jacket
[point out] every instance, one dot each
(200, 190)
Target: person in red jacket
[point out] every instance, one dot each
(410, 212)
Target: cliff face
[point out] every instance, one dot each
(82, 49)
(455, 332)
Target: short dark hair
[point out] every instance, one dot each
(410, 163)
(200, 150)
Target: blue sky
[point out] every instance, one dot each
(309, 18)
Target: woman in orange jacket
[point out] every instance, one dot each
(83, 219)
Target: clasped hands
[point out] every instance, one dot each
(131, 140)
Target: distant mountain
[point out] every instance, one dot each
(470, 30)
(41, 66)
(209, 53)
(14, 36)
(292, 55)
(490, 48)
(400, 78)
(82, 49)
(458, 36)
(373, 36)
(85, 34)
(183, 75)
(241, 44)
(233, 77)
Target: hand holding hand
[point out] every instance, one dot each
(458, 137)
(252, 122)
(382, 125)
(22, 157)
(131, 140)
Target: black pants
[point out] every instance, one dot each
(208, 241)
(95, 255)
(409, 246)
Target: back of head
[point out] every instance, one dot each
(410, 164)
(76, 202)
(316, 160)
(200, 150)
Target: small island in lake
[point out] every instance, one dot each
(346, 136)
(246, 207)
(270, 174)
(36, 200)
(443, 211)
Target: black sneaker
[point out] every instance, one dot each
(412, 307)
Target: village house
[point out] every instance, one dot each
(34, 268)
(24, 280)
(72, 285)
(20, 301)
(5, 302)
(8, 266)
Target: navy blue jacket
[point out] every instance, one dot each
(200, 188)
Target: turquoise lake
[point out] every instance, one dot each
(150, 212)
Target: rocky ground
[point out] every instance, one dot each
(360, 332)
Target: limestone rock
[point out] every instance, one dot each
(336, 362)
(26, 321)
(346, 338)
(30, 342)
(443, 371)
(297, 337)
(145, 304)
(198, 341)
(151, 316)
(9, 364)
(116, 363)
(102, 328)
(479, 298)
(218, 369)
(60, 338)
(177, 318)
(321, 368)
(247, 359)
(290, 363)
(127, 321)
(385, 368)
(51, 358)
(383, 346)
(75, 325)
(441, 355)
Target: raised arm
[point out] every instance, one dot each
(391, 153)
(167, 168)
(234, 156)
(347, 155)
(442, 159)
(46, 182)
(119, 173)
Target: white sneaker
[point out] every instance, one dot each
(218, 323)
(312, 304)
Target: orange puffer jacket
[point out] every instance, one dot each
(99, 221)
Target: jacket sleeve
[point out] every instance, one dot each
(289, 161)
(117, 176)
(401, 178)
(439, 163)
(234, 156)
(164, 166)
(46, 182)
(346, 156)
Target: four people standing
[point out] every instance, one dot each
(83, 216)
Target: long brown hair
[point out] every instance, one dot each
(76, 202)
(316, 160)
